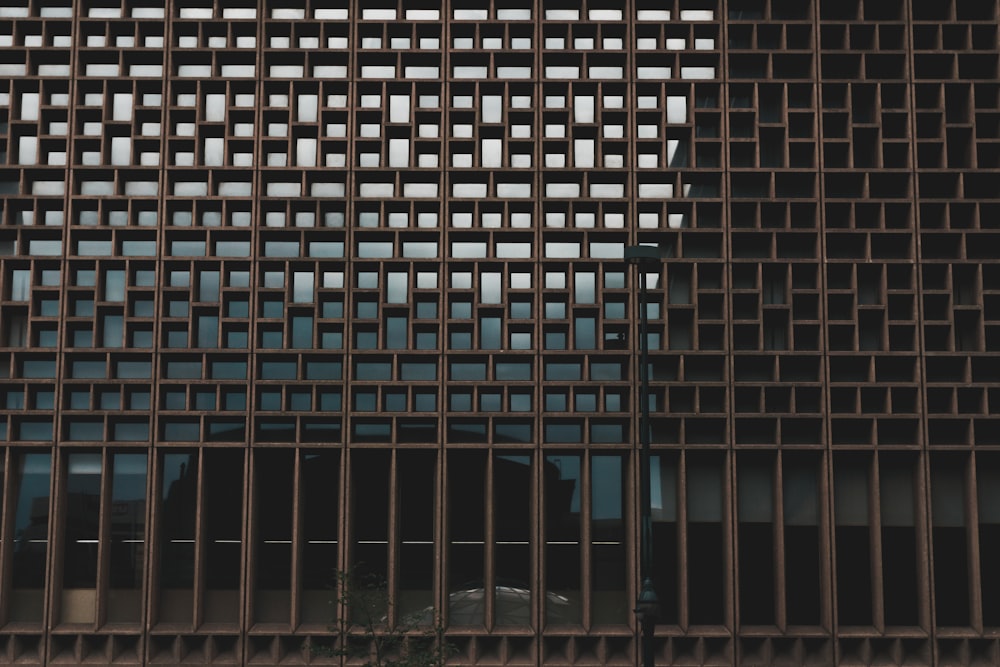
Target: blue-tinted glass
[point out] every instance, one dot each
(586, 401)
(47, 338)
(302, 332)
(520, 310)
(425, 401)
(173, 400)
(44, 399)
(366, 401)
(584, 333)
(49, 307)
(208, 331)
(490, 401)
(333, 309)
(555, 402)
(520, 402)
(366, 340)
(30, 532)
(329, 401)
(83, 489)
(238, 308)
(142, 308)
(269, 400)
(273, 308)
(204, 400)
(277, 370)
(426, 310)
(460, 340)
(177, 308)
(324, 370)
(139, 400)
(237, 340)
(460, 402)
(177, 339)
(395, 401)
(396, 333)
(271, 339)
(234, 400)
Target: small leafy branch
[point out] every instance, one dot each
(365, 633)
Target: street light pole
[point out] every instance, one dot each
(647, 604)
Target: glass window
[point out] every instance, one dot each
(706, 578)
(563, 480)
(274, 487)
(853, 541)
(416, 474)
(609, 603)
(128, 536)
(755, 493)
(319, 481)
(222, 525)
(467, 521)
(803, 551)
(949, 541)
(30, 534)
(899, 541)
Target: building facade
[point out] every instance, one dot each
(295, 287)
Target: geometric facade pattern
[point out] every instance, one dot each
(294, 286)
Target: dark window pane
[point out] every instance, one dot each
(83, 512)
(179, 474)
(128, 536)
(609, 602)
(949, 541)
(274, 473)
(853, 541)
(899, 542)
(31, 525)
(416, 474)
(755, 493)
(562, 484)
(802, 546)
(320, 482)
(706, 574)
(222, 520)
(467, 521)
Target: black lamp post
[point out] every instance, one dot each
(647, 606)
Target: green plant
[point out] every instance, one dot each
(365, 629)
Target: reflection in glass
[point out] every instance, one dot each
(274, 477)
(988, 487)
(416, 472)
(179, 475)
(562, 488)
(663, 500)
(706, 574)
(851, 532)
(755, 487)
(949, 543)
(512, 524)
(128, 537)
(467, 522)
(83, 528)
(800, 495)
(899, 542)
(320, 482)
(610, 603)
(222, 523)
(31, 525)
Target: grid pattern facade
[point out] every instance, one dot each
(293, 286)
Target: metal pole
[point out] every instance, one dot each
(646, 542)
(647, 604)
